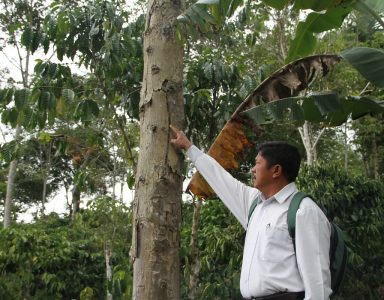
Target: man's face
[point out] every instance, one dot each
(261, 174)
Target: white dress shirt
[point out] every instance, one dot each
(269, 261)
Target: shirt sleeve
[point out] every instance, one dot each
(235, 195)
(312, 250)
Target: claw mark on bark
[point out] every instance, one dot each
(176, 3)
(163, 284)
(155, 69)
(168, 86)
(167, 32)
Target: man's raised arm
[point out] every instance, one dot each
(235, 195)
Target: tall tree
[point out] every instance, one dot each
(157, 203)
(17, 17)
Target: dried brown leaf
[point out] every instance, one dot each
(232, 143)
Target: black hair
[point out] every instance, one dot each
(283, 154)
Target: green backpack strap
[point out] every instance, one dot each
(337, 251)
(291, 215)
(253, 206)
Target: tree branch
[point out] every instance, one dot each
(318, 138)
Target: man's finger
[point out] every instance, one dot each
(174, 129)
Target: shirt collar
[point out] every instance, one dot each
(281, 195)
(285, 192)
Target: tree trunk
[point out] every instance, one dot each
(306, 138)
(44, 196)
(75, 201)
(346, 146)
(108, 269)
(45, 174)
(195, 259)
(157, 203)
(310, 141)
(10, 185)
(375, 159)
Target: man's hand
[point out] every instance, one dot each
(181, 141)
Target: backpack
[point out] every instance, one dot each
(338, 250)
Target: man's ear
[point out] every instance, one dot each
(277, 171)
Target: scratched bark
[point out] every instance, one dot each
(157, 203)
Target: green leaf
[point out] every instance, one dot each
(131, 180)
(52, 70)
(6, 95)
(202, 13)
(311, 111)
(43, 102)
(35, 41)
(86, 110)
(317, 5)
(10, 116)
(40, 67)
(360, 106)
(368, 62)
(45, 44)
(42, 119)
(305, 42)
(278, 4)
(60, 106)
(371, 8)
(51, 105)
(68, 95)
(325, 108)
(9, 151)
(327, 102)
(63, 24)
(205, 15)
(29, 121)
(21, 98)
(35, 95)
(26, 37)
(44, 137)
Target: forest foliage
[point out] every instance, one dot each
(80, 134)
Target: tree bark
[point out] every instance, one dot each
(75, 201)
(157, 203)
(108, 269)
(310, 141)
(375, 159)
(11, 185)
(195, 259)
(46, 167)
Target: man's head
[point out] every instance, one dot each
(276, 162)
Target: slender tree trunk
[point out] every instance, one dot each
(45, 173)
(195, 259)
(75, 201)
(114, 176)
(310, 141)
(122, 183)
(11, 185)
(44, 196)
(108, 269)
(346, 146)
(157, 204)
(375, 159)
(305, 134)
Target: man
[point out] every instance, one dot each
(271, 267)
